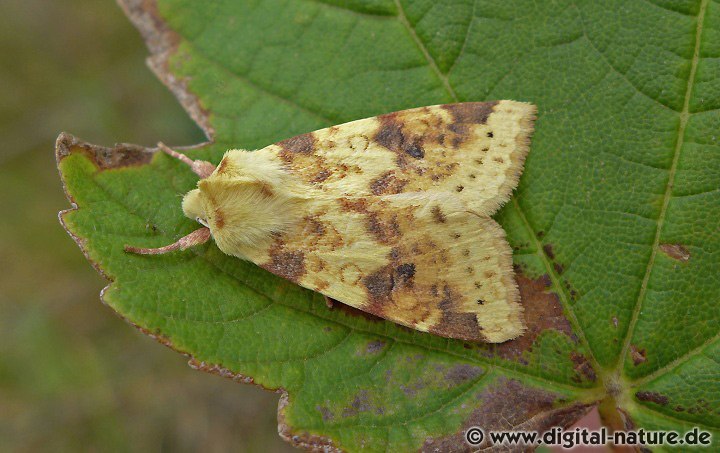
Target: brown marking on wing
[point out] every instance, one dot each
(406, 272)
(286, 264)
(438, 215)
(456, 322)
(302, 144)
(387, 184)
(385, 229)
(266, 190)
(222, 168)
(471, 112)
(465, 115)
(219, 218)
(321, 176)
(314, 226)
(391, 136)
(354, 205)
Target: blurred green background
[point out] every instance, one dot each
(73, 376)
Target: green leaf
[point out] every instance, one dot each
(615, 223)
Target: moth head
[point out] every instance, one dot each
(193, 207)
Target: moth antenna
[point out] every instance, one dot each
(200, 167)
(197, 237)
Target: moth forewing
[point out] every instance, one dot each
(389, 214)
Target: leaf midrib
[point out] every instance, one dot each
(684, 117)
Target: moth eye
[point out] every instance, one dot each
(203, 222)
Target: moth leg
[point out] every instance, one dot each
(330, 302)
(200, 167)
(197, 237)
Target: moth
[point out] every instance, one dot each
(389, 214)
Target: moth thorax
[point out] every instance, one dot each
(246, 214)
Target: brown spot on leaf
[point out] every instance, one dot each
(361, 403)
(374, 347)
(542, 311)
(676, 251)
(548, 248)
(582, 367)
(653, 397)
(300, 144)
(559, 269)
(286, 264)
(327, 416)
(462, 373)
(637, 355)
(509, 404)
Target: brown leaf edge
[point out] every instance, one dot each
(162, 43)
(126, 155)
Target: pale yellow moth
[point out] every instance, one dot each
(389, 214)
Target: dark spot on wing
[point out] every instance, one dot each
(455, 322)
(354, 205)
(438, 215)
(405, 271)
(391, 136)
(387, 184)
(471, 112)
(321, 176)
(286, 264)
(415, 151)
(384, 230)
(379, 285)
